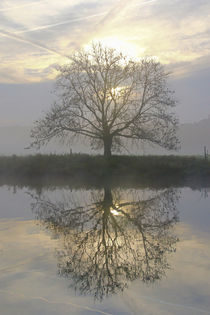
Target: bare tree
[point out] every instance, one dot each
(107, 97)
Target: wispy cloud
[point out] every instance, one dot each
(122, 6)
(116, 10)
(30, 42)
(176, 32)
(47, 26)
(11, 8)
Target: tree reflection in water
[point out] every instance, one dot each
(111, 242)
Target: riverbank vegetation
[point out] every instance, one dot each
(93, 170)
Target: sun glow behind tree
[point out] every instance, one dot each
(125, 46)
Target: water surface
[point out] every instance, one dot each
(104, 251)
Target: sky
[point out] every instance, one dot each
(36, 35)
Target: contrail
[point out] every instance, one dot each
(130, 300)
(139, 4)
(121, 6)
(15, 35)
(40, 298)
(107, 16)
(22, 6)
(27, 41)
(38, 28)
(116, 10)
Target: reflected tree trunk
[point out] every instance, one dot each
(108, 198)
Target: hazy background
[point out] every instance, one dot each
(35, 35)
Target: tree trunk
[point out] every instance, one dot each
(107, 147)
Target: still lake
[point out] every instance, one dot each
(104, 251)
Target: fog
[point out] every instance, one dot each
(193, 137)
(22, 104)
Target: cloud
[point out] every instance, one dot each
(166, 30)
(44, 27)
(30, 42)
(177, 32)
(12, 8)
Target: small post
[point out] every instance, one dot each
(205, 153)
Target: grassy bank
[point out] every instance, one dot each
(95, 169)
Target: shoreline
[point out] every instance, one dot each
(79, 170)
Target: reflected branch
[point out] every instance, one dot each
(111, 241)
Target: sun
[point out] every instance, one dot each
(122, 45)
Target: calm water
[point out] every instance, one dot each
(119, 251)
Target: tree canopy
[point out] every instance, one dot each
(110, 98)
